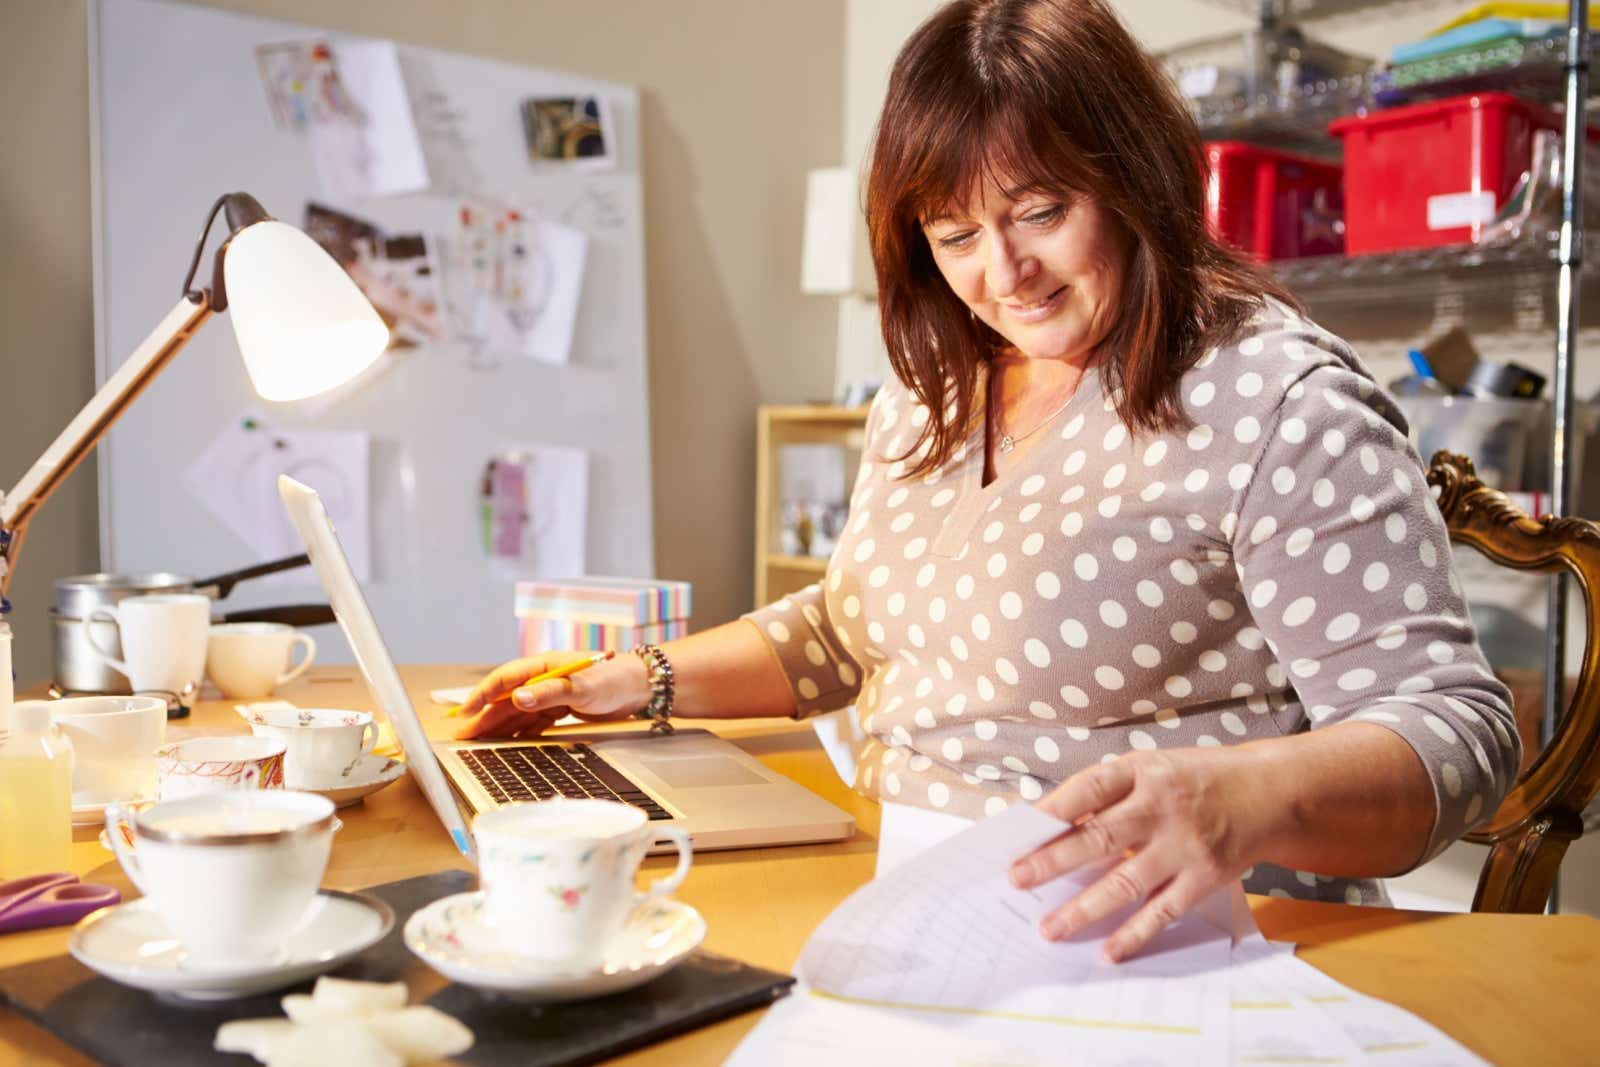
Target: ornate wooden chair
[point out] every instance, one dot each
(1543, 813)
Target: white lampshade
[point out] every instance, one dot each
(302, 324)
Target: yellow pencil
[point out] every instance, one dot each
(560, 672)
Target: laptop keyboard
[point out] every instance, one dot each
(539, 772)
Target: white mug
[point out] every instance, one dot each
(323, 744)
(557, 875)
(249, 660)
(218, 764)
(231, 874)
(163, 640)
(114, 741)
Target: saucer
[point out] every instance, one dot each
(95, 814)
(454, 937)
(370, 774)
(130, 944)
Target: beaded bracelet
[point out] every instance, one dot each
(659, 672)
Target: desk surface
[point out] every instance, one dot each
(1516, 989)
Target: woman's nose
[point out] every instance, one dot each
(1009, 267)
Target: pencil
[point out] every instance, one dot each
(560, 672)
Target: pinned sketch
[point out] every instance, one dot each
(236, 479)
(512, 282)
(363, 139)
(569, 130)
(395, 271)
(533, 509)
(288, 71)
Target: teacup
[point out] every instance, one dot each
(558, 875)
(163, 640)
(218, 764)
(231, 874)
(250, 660)
(114, 741)
(324, 744)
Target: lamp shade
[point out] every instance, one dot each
(303, 326)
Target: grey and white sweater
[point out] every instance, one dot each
(1280, 566)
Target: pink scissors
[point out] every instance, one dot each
(50, 900)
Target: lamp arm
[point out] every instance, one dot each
(89, 425)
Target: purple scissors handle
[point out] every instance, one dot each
(50, 900)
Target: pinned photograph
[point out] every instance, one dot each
(395, 271)
(569, 130)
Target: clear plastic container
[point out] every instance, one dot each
(1507, 439)
(7, 691)
(35, 795)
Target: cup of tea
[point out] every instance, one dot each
(114, 741)
(163, 638)
(558, 875)
(218, 764)
(323, 744)
(250, 660)
(231, 874)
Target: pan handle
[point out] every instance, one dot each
(290, 614)
(223, 584)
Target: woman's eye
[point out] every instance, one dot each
(956, 240)
(1044, 216)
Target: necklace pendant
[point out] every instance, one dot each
(1006, 443)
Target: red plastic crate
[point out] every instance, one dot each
(1270, 204)
(1434, 173)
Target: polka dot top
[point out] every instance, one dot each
(1278, 567)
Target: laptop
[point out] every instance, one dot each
(689, 779)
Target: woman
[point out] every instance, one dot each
(1132, 538)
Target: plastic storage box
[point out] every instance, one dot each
(595, 613)
(1433, 173)
(1273, 205)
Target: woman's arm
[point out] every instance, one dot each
(725, 672)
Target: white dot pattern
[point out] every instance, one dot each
(1274, 565)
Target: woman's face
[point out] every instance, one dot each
(1043, 271)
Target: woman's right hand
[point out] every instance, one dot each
(502, 705)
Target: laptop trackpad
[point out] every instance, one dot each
(702, 771)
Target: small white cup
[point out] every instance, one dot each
(218, 764)
(114, 742)
(231, 874)
(163, 640)
(558, 875)
(249, 660)
(323, 744)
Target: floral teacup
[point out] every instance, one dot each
(557, 875)
(324, 744)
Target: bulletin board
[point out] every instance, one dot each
(540, 398)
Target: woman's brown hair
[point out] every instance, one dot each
(1055, 95)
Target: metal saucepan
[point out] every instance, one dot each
(78, 670)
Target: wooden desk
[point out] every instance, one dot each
(1517, 989)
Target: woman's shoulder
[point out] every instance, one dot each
(1277, 357)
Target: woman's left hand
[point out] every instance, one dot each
(1173, 824)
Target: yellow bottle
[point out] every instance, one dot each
(35, 795)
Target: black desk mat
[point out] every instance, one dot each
(119, 1025)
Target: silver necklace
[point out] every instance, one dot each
(1008, 441)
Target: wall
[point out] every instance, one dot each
(730, 126)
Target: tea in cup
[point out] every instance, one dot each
(163, 640)
(558, 875)
(232, 874)
(250, 660)
(323, 744)
(114, 741)
(218, 764)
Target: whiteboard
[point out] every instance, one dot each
(179, 118)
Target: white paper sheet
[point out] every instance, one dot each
(452, 697)
(534, 510)
(367, 145)
(236, 478)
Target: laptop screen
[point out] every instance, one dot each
(316, 531)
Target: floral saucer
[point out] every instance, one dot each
(453, 936)
(130, 944)
(370, 774)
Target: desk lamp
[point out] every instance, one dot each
(302, 326)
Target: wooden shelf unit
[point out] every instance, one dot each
(776, 426)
